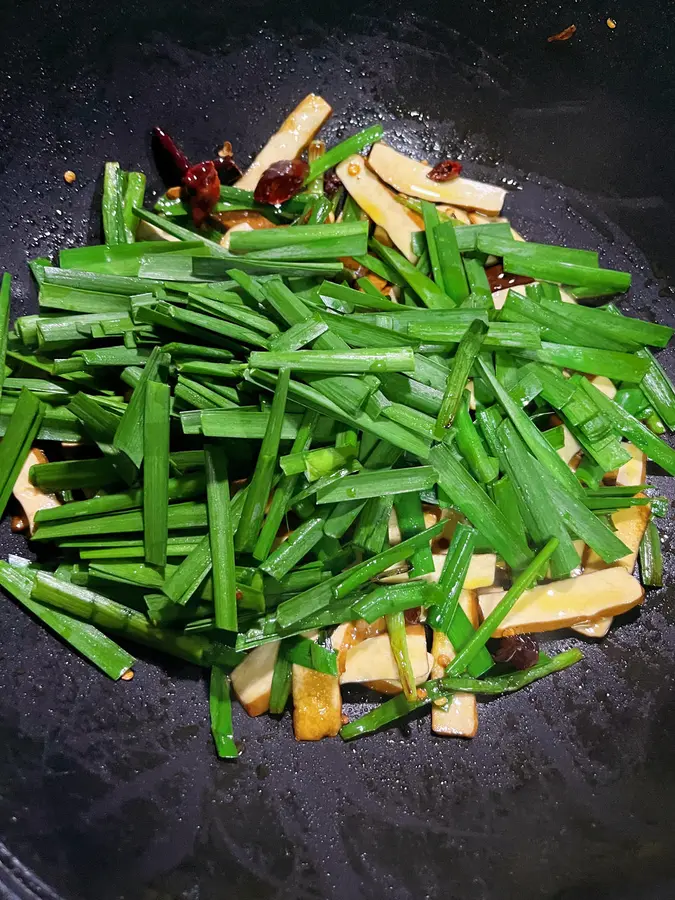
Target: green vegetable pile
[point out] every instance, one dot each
(220, 397)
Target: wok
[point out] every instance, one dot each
(112, 791)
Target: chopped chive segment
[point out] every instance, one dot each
(303, 241)
(372, 528)
(584, 524)
(658, 388)
(506, 684)
(454, 280)
(261, 482)
(632, 429)
(335, 361)
(284, 491)
(129, 436)
(452, 578)
(381, 716)
(359, 574)
(118, 619)
(305, 652)
(74, 474)
(467, 352)
(298, 544)
(318, 598)
(281, 682)
(633, 333)
(651, 559)
(84, 637)
(470, 498)
(391, 598)
(299, 335)
(156, 472)
(112, 204)
(15, 446)
(410, 517)
(220, 709)
(5, 291)
(369, 298)
(537, 444)
(379, 483)
(494, 245)
(353, 144)
(190, 574)
(484, 467)
(398, 639)
(589, 277)
(612, 364)
(429, 293)
(221, 536)
(431, 220)
(183, 487)
(535, 570)
(542, 517)
(134, 194)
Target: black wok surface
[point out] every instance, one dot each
(112, 791)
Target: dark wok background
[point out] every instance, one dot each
(112, 790)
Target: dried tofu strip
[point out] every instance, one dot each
(379, 203)
(410, 177)
(605, 385)
(455, 213)
(460, 717)
(317, 702)
(290, 140)
(630, 524)
(148, 232)
(252, 678)
(372, 660)
(242, 226)
(561, 604)
(499, 297)
(481, 571)
(30, 497)
(570, 447)
(597, 629)
(635, 470)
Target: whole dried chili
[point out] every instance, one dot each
(519, 650)
(445, 171)
(201, 182)
(281, 181)
(171, 162)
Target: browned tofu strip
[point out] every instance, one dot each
(290, 140)
(460, 717)
(317, 702)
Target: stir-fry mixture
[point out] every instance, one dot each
(329, 422)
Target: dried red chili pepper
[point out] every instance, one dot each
(519, 650)
(563, 35)
(227, 169)
(202, 187)
(281, 181)
(331, 183)
(445, 171)
(201, 182)
(499, 279)
(171, 162)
